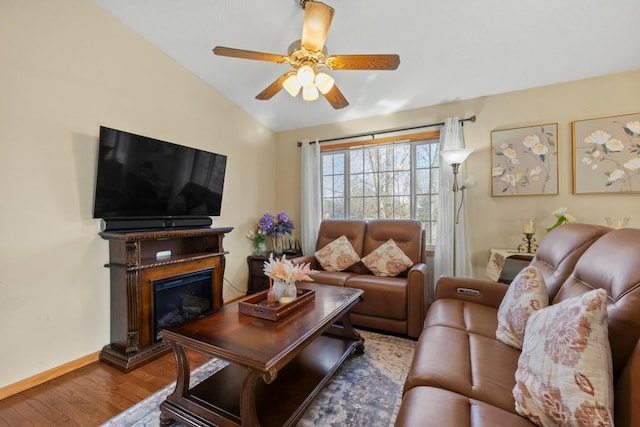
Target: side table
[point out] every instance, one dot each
(505, 264)
(257, 280)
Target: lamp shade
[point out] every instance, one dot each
(292, 85)
(456, 156)
(324, 82)
(305, 75)
(309, 93)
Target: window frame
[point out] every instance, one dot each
(344, 149)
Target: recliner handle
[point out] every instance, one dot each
(468, 292)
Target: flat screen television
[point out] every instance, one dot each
(144, 178)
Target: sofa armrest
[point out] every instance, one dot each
(417, 282)
(472, 290)
(307, 259)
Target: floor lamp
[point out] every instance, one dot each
(455, 158)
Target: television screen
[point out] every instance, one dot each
(139, 176)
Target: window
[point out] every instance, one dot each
(392, 180)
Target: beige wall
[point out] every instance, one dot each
(495, 222)
(67, 68)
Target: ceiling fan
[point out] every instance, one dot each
(308, 55)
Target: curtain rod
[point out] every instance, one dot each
(471, 119)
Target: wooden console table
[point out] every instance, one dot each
(134, 263)
(275, 369)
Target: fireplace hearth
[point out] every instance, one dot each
(137, 263)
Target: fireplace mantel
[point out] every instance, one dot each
(136, 260)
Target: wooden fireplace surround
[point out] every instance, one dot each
(134, 266)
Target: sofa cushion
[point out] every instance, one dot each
(337, 255)
(387, 260)
(406, 233)
(611, 263)
(383, 296)
(564, 373)
(560, 250)
(335, 278)
(353, 230)
(467, 316)
(431, 406)
(527, 294)
(472, 365)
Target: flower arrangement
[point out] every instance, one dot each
(285, 271)
(258, 238)
(275, 225)
(562, 218)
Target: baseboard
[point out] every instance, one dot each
(45, 376)
(58, 371)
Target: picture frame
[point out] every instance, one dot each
(524, 161)
(606, 155)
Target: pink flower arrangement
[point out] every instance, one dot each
(284, 270)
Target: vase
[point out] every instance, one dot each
(260, 248)
(284, 290)
(277, 244)
(617, 223)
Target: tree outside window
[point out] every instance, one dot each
(398, 180)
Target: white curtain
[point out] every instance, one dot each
(451, 137)
(311, 196)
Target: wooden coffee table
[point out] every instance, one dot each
(276, 367)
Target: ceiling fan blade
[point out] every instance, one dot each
(363, 62)
(247, 54)
(274, 87)
(336, 98)
(317, 20)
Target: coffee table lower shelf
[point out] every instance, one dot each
(216, 400)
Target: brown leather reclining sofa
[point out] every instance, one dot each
(463, 376)
(393, 304)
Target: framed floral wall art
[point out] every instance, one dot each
(524, 161)
(606, 155)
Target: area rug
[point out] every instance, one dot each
(365, 391)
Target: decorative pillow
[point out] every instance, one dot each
(337, 255)
(526, 294)
(387, 260)
(565, 375)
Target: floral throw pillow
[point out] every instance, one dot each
(565, 375)
(337, 255)
(387, 260)
(526, 294)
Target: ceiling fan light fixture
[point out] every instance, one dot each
(324, 82)
(308, 55)
(309, 93)
(305, 75)
(292, 85)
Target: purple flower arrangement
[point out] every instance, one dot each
(273, 225)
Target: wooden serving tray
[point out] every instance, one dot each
(256, 305)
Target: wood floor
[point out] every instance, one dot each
(90, 395)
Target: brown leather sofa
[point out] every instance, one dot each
(462, 375)
(393, 304)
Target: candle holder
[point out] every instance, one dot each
(528, 244)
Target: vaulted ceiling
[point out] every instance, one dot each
(449, 49)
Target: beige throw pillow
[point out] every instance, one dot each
(564, 374)
(526, 294)
(387, 260)
(337, 255)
